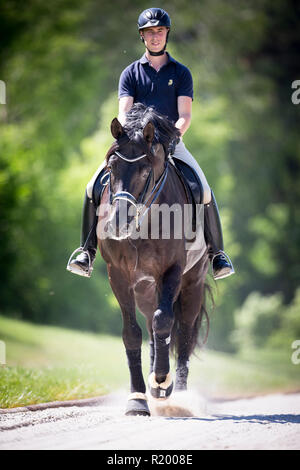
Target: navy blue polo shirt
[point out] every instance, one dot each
(159, 89)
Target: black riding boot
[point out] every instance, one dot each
(83, 263)
(221, 264)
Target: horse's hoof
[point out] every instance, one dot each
(163, 390)
(137, 405)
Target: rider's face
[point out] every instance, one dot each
(155, 37)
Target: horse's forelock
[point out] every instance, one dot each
(139, 141)
(139, 116)
(136, 119)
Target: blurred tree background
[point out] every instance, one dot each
(61, 62)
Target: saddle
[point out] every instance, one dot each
(190, 180)
(99, 186)
(192, 185)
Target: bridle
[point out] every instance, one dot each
(139, 204)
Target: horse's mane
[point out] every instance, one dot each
(137, 118)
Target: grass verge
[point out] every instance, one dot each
(48, 364)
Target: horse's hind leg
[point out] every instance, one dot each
(132, 338)
(182, 367)
(188, 310)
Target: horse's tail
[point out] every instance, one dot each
(195, 341)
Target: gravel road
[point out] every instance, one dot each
(185, 422)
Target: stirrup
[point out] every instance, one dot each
(79, 271)
(221, 252)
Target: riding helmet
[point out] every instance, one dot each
(153, 17)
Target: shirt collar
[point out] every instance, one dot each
(143, 60)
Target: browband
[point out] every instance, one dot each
(130, 159)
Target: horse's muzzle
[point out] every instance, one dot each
(118, 233)
(122, 221)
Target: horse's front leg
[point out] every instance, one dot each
(132, 338)
(160, 380)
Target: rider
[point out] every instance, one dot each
(160, 81)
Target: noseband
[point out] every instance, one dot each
(139, 203)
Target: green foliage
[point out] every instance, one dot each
(256, 320)
(289, 330)
(264, 322)
(61, 62)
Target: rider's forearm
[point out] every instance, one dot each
(125, 105)
(183, 123)
(122, 118)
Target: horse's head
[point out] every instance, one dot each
(136, 163)
(133, 171)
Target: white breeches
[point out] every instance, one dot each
(182, 153)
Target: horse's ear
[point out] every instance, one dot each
(116, 128)
(148, 132)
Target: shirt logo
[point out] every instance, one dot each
(170, 82)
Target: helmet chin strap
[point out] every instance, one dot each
(157, 53)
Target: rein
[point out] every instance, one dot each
(139, 203)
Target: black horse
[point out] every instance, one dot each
(149, 266)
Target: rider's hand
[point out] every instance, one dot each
(173, 144)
